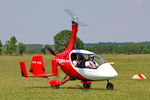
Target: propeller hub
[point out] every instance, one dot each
(74, 18)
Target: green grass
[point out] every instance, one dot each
(15, 87)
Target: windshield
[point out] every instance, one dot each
(97, 58)
(85, 57)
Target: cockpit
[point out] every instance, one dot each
(82, 56)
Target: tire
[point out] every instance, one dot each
(109, 86)
(55, 87)
(86, 86)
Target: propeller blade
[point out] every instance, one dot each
(48, 48)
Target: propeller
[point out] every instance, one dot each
(74, 17)
(48, 48)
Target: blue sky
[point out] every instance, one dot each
(38, 21)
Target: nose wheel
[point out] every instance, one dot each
(109, 86)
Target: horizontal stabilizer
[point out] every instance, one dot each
(37, 68)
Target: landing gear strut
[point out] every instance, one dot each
(109, 85)
(56, 83)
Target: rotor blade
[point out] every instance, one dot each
(69, 12)
(81, 23)
(74, 17)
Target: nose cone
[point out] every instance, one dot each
(112, 74)
(107, 71)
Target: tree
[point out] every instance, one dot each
(79, 43)
(21, 48)
(146, 49)
(1, 48)
(62, 40)
(11, 45)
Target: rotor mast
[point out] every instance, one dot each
(73, 34)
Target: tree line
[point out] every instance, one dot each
(11, 47)
(61, 41)
(127, 48)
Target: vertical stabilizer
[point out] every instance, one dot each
(23, 69)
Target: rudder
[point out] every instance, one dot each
(37, 65)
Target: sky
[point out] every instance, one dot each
(38, 21)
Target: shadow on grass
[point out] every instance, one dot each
(81, 88)
(78, 87)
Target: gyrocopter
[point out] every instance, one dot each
(64, 60)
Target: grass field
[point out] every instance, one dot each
(15, 87)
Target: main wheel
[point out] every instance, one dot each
(109, 86)
(87, 86)
(55, 87)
